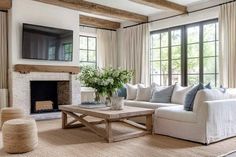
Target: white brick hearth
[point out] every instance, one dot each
(21, 90)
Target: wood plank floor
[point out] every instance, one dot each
(80, 142)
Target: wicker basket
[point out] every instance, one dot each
(19, 135)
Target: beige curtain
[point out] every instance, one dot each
(3, 60)
(134, 52)
(227, 56)
(107, 48)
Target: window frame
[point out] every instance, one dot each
(184, 50)
(96, 57)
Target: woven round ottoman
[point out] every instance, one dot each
(19, 135)
(11, 113)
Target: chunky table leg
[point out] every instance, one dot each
(64, 119)
(149, 123)
(108, 131)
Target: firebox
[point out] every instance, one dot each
(46, 96)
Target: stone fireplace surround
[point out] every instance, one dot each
(20, 94)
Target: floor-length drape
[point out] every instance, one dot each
(134, 52)
(107, 48)
(3, 60)
(227, 56)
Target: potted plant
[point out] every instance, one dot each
(105, 81)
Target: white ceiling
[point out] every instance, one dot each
(139, 8)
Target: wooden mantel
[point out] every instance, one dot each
(26, 68)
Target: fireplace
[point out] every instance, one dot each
(46, 96)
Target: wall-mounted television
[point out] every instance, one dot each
(47, 43)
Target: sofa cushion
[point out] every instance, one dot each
(122, 92)
(190, 96)
(179, 94)
(143, 93)
(161, 95)
(176, 113)
(209, 95)
(144, 104)
(132, 91)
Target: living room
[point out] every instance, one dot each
(117, 78)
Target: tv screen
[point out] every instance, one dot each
(46, 43)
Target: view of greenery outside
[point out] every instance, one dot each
(210, 54)
(88, 51)
(159, 58)
(176, 56)
(68, 49)
(200, 54)
(193, 54)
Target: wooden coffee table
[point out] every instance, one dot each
(107, 116)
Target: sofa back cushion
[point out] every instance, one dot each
(132, 91)
(208, 95)
(162, 95)
(143, 93)
(190, 96)
(122, 92)
(179, 94)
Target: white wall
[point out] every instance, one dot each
(185, 19)
(32, 12)
(198, 16)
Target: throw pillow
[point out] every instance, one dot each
(222, 89)
(132, 91)
(179, 94)
(208, 86)
(190, 96)
(161, 95)
(143, 94)
(122, 92)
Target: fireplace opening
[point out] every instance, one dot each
(46, 96)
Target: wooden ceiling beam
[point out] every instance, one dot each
(97, 9)
(99, 23)
(5, 4)
(163, 4)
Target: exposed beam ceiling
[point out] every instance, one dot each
(163, 4)
(5, 4)
(100, 23)
(97, 9)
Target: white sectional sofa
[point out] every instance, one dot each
(212, 119)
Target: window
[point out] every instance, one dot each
(159, 58)
(185, 54)
(210, 54)
(193, 55)
(176, 56)
(165, 58)
(88, 51)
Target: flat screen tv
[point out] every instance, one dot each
(46, 43)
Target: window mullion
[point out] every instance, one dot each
(201, 53)
(169, 58)
(184, 65)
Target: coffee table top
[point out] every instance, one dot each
(107, 113)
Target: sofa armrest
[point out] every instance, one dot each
(220, 119)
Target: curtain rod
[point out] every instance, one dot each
(180, 14)
(98, 28)
(4, 11)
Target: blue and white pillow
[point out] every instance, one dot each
(190, 96)
(162, 95)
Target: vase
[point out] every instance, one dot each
(108, 101)
(117, 103)
(97, 97)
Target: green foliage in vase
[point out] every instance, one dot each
(106, 81)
